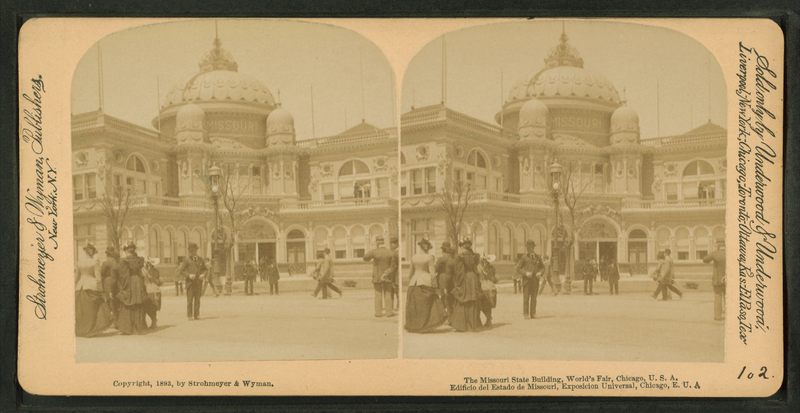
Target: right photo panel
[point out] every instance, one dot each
(563, 195)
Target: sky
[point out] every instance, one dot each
(666, 75)
(284, 55)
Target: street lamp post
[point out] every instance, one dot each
(215, 174)
(556, 172)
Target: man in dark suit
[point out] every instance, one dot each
(718, 277)
(382, 282)
(193, 269)
(109, 273)
(444, 274)
(530, 268)
(394, 271)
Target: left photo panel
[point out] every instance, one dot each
(235, 194)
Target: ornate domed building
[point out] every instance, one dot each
(294, 195)
(635, 197)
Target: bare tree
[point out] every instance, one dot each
(454, 200)
(115, 203)
(229, 194)
(571, 190)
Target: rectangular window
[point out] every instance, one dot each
(91, 186)
(471, 178)
(598, 178)
(671, 191)
(721, 189)
(158, 188)
(341, 254)
(383, 187)
(141, 186)
(117, 180)
(416, 181)
(77, 185)
(499, 185)
(430, 180)
(700, 254)
(358, 252)
(683, 255)
(327, 192)
(457, 176)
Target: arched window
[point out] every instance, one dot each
(521, 237)
(374, 231)
(197, 238)
(353, 168)
(698, 181)
(359, 241)
(154, 246)
(493, 240)
(135, 164)
(698, 168)
(166, 247)
(637, 233)
(295, 247)
(663, 239)
(478, 241)
(637, 251)
(320, 239)
(682, 244)
(476, 158)
(138, 238)
(538, 237)
(340, 242)
(508, 236)
(701, 243)
(182, 244)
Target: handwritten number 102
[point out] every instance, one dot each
(762, 374)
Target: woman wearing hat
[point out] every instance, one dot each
(424, 310)
(92, 313)
(132, 293)
(488, 298)
(466, 313)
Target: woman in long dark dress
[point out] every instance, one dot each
(132, 293)
(424, 309)
(92, 313)
(466, 313)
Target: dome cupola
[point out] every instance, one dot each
(190, 124)
(624, 126)
(533, 120)
(280, 127)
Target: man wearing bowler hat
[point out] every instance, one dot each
(530, 267)
(717, 258)
(193, 269)
(382, 281)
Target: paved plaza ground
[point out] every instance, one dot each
(290, 326)
(626, 327)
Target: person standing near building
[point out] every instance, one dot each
(717, 258)
(589, 274)
(382, 283)
(444, 275)
(152, 283)
(516, 279)
(327, 271)
(317, 275)
(193, 270)
(109, 273)
(250, 271)
(467, 289)
(530, 268)
(179, 279)
(273, 275)
(132, 293)
(424, 309)
(92, 313)
(612, 272)
(488, 298)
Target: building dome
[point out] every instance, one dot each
(190, 117)
(280, 121)
(564, 76)
(533, 113)
(219, 80)
(624, 119)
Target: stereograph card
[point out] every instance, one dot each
(479, 207)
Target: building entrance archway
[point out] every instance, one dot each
(597, 241)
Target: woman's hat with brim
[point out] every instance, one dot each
(466, 242)
(425, 242)
(130, 246)
(490, 258)
(89, 247)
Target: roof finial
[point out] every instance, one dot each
(624, 98)
(278, 101)
(564, 37)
